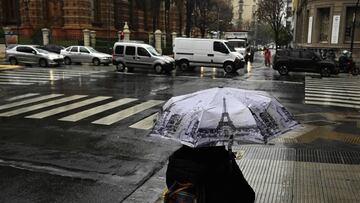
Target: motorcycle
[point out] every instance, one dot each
(347, 65)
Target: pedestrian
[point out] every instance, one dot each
(267, 56)
(206, 175)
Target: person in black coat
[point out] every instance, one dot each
(211, 172)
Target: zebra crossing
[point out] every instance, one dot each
(97, 110)
(340, 92)
(30, 76)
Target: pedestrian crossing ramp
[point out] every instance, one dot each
(98, 110)
(340, 92)
(30, 76)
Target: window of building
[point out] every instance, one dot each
(350, 11)
(323, 15)
(95, 12)
(11, 14)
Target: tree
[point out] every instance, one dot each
(204, 15)
(272, 12)
(189, 6)
(180, 6)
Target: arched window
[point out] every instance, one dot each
(10, 12)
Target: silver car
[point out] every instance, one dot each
(31, 54)
(85, 54)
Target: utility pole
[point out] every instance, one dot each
(353, 28)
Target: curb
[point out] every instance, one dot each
(151, 191)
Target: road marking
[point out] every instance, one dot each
(66, 70)
(40, 106)
(16, 83)
(333, 93)
(24, 78)
(356, 84)
(332, 104)
(348, 97)
(67, 108)
(332, 90)
(96, 110)
(146, 123)
(38, 76)
(28, 101)
(23, 96)
(27, 72)
(113, 118)
(334, 86)
(31, 74)
(331, 100)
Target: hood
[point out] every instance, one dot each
(237, 54)
(101, 55)
(53, 55)
(168, 59)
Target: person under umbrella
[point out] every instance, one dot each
(202, 170)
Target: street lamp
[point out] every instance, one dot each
(353, 28)
(26, 3)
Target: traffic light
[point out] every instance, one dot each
(348, 31)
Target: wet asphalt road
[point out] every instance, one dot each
(49, 160)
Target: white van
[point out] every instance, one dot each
(189, 52)
(239, 45)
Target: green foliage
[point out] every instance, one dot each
(285, 36)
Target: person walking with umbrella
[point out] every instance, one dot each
(267, 56)
(206, 122)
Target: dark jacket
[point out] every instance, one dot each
(213, 171)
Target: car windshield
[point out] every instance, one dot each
(237, 44)
(153, 51)
(92, 50)
(41, 51)
(231, 48)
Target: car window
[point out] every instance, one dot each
(142, 52)
(68, 49)
(74, 49)
(295, 54)
(282, 53)
(307, 55)
(130, 51)
(220, 47)
(119, 49)
(20, 49)
(28, 50)
(84, 50)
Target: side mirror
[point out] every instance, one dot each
(34, 52)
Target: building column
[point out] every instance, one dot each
(86, 37)
(93, 38)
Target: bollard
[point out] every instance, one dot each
(45, 35)
(86, 37)
(158, 41)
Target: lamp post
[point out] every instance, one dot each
(26, 3)
(353, 28)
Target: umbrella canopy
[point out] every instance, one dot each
(217, 116)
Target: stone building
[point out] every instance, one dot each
(325, 24)
(68, 18)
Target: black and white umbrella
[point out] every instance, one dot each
(223, 116)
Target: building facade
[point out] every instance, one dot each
(326, 24)
(68, 18)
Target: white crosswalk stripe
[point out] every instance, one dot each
(341, 92)
(67, 108)
(100, 110)
(29, 76)
(116, 117)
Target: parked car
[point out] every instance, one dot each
(216, 53)
(53, 48)
(31, 54)
(294, 60)
(139, 55)
(85, 54)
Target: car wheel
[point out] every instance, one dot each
(67, 61)
(355, 71)
(43, 63)
(96, 62)
(283, 70)
(120, 67)
(184, 65)
(13, 61)
(325, 72)
(158, 68)
(229, 67)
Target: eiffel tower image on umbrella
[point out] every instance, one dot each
(225, 127)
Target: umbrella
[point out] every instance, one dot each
(221, 117)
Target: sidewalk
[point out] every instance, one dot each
(300, 166)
